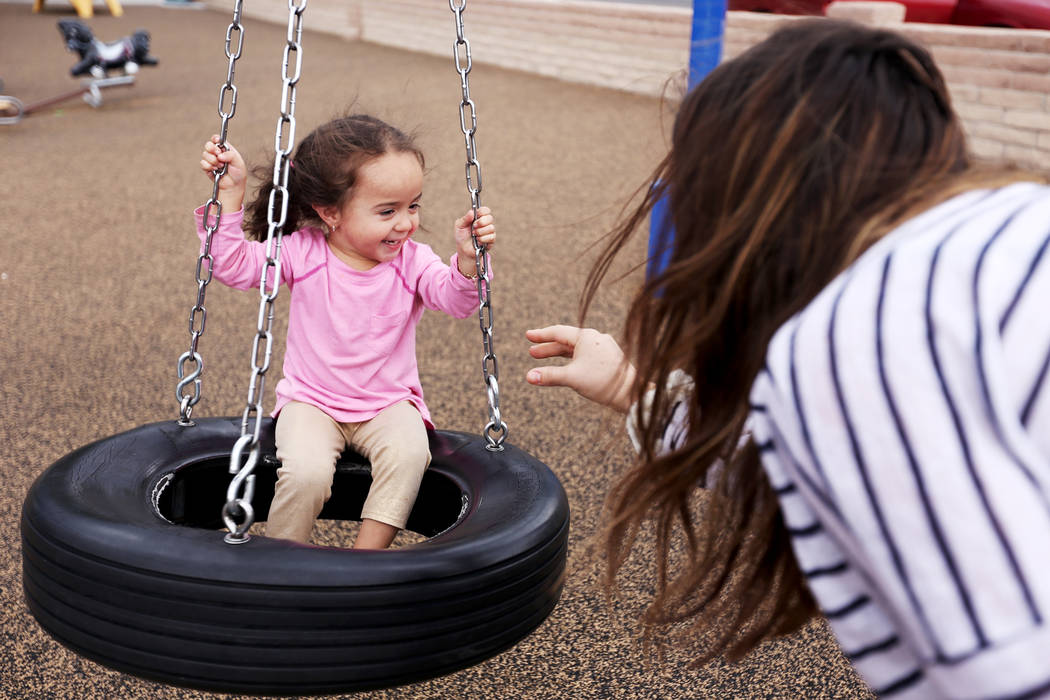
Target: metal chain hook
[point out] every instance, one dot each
(237, 513)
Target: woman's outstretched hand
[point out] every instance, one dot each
(598, 370)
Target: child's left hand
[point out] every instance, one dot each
(485, 232)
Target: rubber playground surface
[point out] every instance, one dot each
(97, 260)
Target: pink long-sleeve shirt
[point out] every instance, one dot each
(351, 346)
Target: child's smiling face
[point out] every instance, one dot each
(381, 214)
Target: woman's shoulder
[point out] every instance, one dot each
(984, 208)
(945, 244)
(948, 244)
(959, 260)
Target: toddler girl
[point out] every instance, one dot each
(358, 285)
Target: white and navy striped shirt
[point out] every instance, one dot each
(903, 418)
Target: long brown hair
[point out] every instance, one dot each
(324, 169)
(786, 163)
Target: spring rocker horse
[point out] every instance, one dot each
(97, 59)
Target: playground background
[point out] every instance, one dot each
(97, 257)
(999, 78)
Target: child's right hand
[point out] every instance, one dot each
(232, 185)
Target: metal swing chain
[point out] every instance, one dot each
(496, 430)
(213, 207)
(238, 514)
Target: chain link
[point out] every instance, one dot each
(495, 431)
(237, 514)
(212, 212)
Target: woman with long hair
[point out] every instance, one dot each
(836, 386)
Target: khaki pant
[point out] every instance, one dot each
(309, 442)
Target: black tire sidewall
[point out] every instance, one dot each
(109, 577)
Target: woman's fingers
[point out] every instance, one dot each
(551, 375)
(559, 333)
(545, 350)
(551, 341)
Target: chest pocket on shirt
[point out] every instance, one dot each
(384, 330)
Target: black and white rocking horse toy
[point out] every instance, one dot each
(97, 57)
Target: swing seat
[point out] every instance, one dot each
(124, 562)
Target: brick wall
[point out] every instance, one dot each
(337, 17)
(1000, 84)
(999, 78)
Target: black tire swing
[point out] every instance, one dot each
(124, 561)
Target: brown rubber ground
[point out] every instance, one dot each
(97, 258)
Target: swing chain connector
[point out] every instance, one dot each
(186, 402)
(269, 286)
(212, 214)
(496, 430)
(237, 513)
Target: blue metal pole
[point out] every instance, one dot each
(704, 54)
(709, 18)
